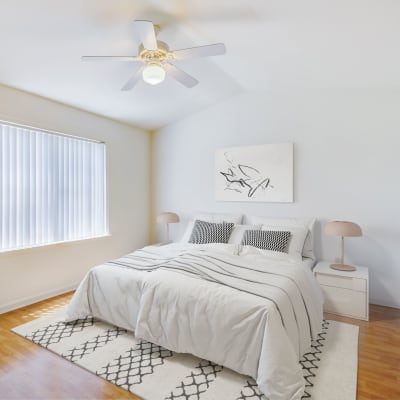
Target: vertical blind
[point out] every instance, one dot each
(52, 188)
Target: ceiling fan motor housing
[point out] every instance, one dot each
(155, 56)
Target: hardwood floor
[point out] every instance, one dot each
(378, 354)
(29, 372)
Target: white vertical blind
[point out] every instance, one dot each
(52, 188)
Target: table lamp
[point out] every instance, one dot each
(167, 218)
(343, 229)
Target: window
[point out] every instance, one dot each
(52, 188)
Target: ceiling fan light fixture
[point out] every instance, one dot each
(153, 74)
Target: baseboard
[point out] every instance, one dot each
(385, 303)
(26, 301)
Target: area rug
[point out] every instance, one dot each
(154, 373)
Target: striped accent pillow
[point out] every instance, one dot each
(209, 232)
(267, 240)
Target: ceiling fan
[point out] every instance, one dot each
(155, 59)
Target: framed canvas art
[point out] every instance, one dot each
(255, 173)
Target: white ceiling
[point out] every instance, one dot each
(270, 43)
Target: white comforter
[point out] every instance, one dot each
(254, 313)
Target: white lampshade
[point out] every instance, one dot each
(153, 74)
(167, 218)
(342, 228)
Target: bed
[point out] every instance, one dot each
(253, 311)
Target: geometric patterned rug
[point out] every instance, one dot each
(154, 373)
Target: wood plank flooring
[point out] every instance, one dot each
(29, 372)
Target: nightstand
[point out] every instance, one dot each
(346, 293)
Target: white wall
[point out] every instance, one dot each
(346, 167)
(32, 274)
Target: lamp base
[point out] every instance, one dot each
(343, 267)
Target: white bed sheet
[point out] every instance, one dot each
(113, 294)
(227, 318)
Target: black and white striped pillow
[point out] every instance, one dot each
(209, 232)
(267, 240)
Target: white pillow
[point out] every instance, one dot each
(238, 231)
(296, 240)
(218, 217)
(308, 249)
(210, 217)
(255, 251)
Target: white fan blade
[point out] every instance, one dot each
(111, 58)
(147, 34)
(181, 76)
(133, 80)
(201, 51)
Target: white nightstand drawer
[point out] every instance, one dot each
(346, 293)
(344, 282)
(345, 302)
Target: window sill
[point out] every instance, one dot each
(24, 250)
